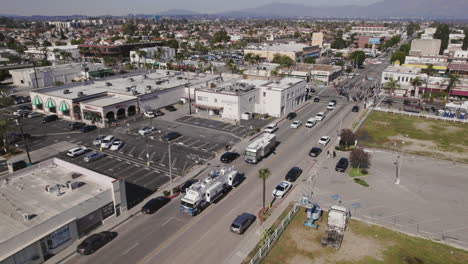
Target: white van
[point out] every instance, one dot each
(107, 141)
(271, 128)
(311, 122)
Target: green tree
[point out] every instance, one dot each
(358, 158)
(442, 33)
(398, 56)
(347, 138)
(264, 174)
(77, 41)
(465, 40)
(129, 29)
(411, 28)
(392, 85)
(171, 43)
(46, 43)
(339, 42)
(357, 58)
(283, 60)
(309, 60)
(453, 80)
(416, 82)
(220, 36)
(405, 48)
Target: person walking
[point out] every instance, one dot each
(334, 154)
(328, 154)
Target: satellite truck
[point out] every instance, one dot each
(258, 149)
(337, 221)
(209, 190)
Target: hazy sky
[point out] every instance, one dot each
(123, 7)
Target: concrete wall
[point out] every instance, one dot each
(153, 101)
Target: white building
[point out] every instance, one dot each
(53, 75)
(45, 208)
(313, 72)
(429, 33)
(435, 60)
(56, 53)
(317, 39)
(165, 54)
(404, 76)
(425, 47)
(374, 31)
(234, 99)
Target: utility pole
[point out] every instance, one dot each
(35, 75)
(170, 167)
(397, 170)
(24, 140)
(147, 154)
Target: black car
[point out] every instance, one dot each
(87, 129)
(342, 165)
(355, 108)
(155, 204)
(315, 151)
(170, 108)
(242, 222)
(291, 115)
(183, 188)
(293, 174)
(50, 118)
(76, 125)
(171, 136)
(228, 157)
(333, 101)
(25, 107)
(316, 99)
(95, 242)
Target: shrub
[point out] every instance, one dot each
(347, 138)
(361, 182)
(166, 193)
(359, 158)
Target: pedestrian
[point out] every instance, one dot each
(334, 154)
(328, 154)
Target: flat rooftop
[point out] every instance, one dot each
(108, 100)
(24, 192)
(283, 83)
(401, 69)
(69, 67)
(289, 47)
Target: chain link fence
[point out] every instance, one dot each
(270, 241)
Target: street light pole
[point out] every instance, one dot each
(147, 154)
(24, 140)
(397, 170)
(170, 167)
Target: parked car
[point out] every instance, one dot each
(242, 222)
(311, 122)
(293, 174)
(316, 99)
(93, 156)
(281, 189)
(323, 141)
(97, 140)
(21, 112)
(95, 242)
(170, 108)
(271, 128)
(228, 157)
(355, 108)
(171, 136)
(88, 128)
(291, 115)
(146, 131)
(33, 115)
(50, 118)
(117, 144)
(296, 124)
(75, 152)
(107, 141)
(154, 205)
(315, 151)
(320, 116)
(330, 106)
(25, 107)
(342, 165)
(183, 188)
(76, 125)
(149, 114)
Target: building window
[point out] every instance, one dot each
(215, 100)
(202, 98)
(66, 113)
(108, 210)
(264, 94)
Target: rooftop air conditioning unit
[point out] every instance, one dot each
(131, 79)
(80, 94)
(66, 91)
(108, 84)
(71, 185)
(27, 217)
(135, 92)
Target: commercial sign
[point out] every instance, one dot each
(374, 41)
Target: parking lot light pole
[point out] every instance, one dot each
(24, 140)
(170, 167)
(147, 154)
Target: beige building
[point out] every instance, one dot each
(295, 51)
(425, 47)
(317, 39)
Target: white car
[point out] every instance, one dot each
(107, 142)
(33, 115)
(116, 145)
(74, 152)
(145, 131)
(330, 106)
(320, 116)
(311, 122)
(271, 128)
(149, 114)
(281, 189)
(296, 124)
(323, 141)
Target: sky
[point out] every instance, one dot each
(124, 7)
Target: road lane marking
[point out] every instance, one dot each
(130, 248)
(166, 222)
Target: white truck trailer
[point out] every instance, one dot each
(201, 194)
(258, 149)
(337, 221)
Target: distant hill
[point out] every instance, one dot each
(178, 12)
(428, 9)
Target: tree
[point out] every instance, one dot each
(398, 56)
(442, 33)
(359, 158)
(77, 42)
(339, 42)
(46, 43)
(129, 29)
(220, 36)
(411, 28)
(264, 174)
(309, 60)
(392, 85)
(453, 80)
(249, 57)
(357, 58)
(172, 43)
(405, 48)
(416, 82)
(283, 60)
(347, 138)
(429, 69)
(465, 40)
(340, 63)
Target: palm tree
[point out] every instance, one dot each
(392, 85)
(416, 82)
(452, 82)
(248, 57)
(264, 174)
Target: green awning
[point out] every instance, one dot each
(155, 64)
(63, 107)
(36, 101)
(49, 103)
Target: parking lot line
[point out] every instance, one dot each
(130, 153)
(124, 170)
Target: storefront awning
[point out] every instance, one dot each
(36, 101)
(63, 107)
(50, 103)
(208, 107)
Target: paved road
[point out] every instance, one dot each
(173, 237)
